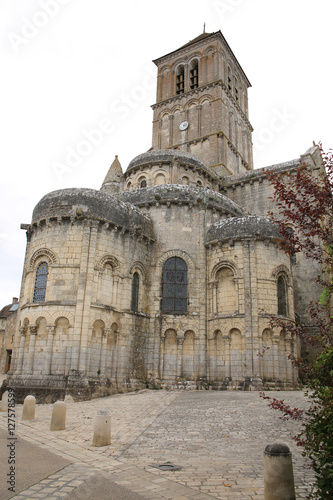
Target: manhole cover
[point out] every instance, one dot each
(166, 466)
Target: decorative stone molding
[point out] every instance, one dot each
(138, 266)
(224, 263)
(176, 253)
(108, 259)
(49, 255)
(281, 270)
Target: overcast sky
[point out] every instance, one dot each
(70, 67)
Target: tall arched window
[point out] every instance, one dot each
(174, 286)
(142, 182)
(180, 80)
(135, 293)
(282, 296)
(194, 75)
(40, 282)
(226, 291)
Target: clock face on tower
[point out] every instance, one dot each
(183, 125)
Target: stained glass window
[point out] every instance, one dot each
(174, 286)
(40, 282)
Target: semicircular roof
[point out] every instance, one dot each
(180, 194)
(91, 204)
(242, 228)
(168, 155)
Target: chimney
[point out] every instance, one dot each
(15, 300)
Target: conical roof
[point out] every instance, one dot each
(115, 172)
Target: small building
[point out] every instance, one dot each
(8, 317)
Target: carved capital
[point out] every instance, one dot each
(50, 330)
(33, 330)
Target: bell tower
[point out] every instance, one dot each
(202, 105)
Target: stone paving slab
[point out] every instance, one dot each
(28, 470)
(218, 439)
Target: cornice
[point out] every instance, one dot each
(189, 47)
(190, 93)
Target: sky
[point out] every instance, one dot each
(78, 83)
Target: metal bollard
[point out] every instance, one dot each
(278, 473)
(29, 406)
(58, 419)
(102, 429)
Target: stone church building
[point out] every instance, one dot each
(167, 276)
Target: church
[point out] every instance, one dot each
(169, 275)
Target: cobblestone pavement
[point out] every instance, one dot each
(217, 438)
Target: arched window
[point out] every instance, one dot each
(229, 80)
(282, 296)
(180, 80)
(40, 282)
(194, 75)
(174, 286)
(226, 291)
(135, 293)
(143, 183)
(236, 90)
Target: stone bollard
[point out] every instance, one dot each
(58, 419)
(278, 473)
(29, 406)
(4, 402)
(102, 429)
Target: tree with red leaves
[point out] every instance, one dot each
(304, 200)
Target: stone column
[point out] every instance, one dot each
(289, 367)
(104, 346)
(84, 296)
(170, 130)
(115, 291)
(214, 297)
(180, 342)
(248, 305)
(275, 356)
(49, 348)
(228, 356)
(162, 353)
(199, 119)
(21, 352)
(32, 344)
(159, 133)
(294, 372)
(212, 356)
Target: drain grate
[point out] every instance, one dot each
(166, 466)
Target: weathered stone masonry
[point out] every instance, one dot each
(169, 275)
